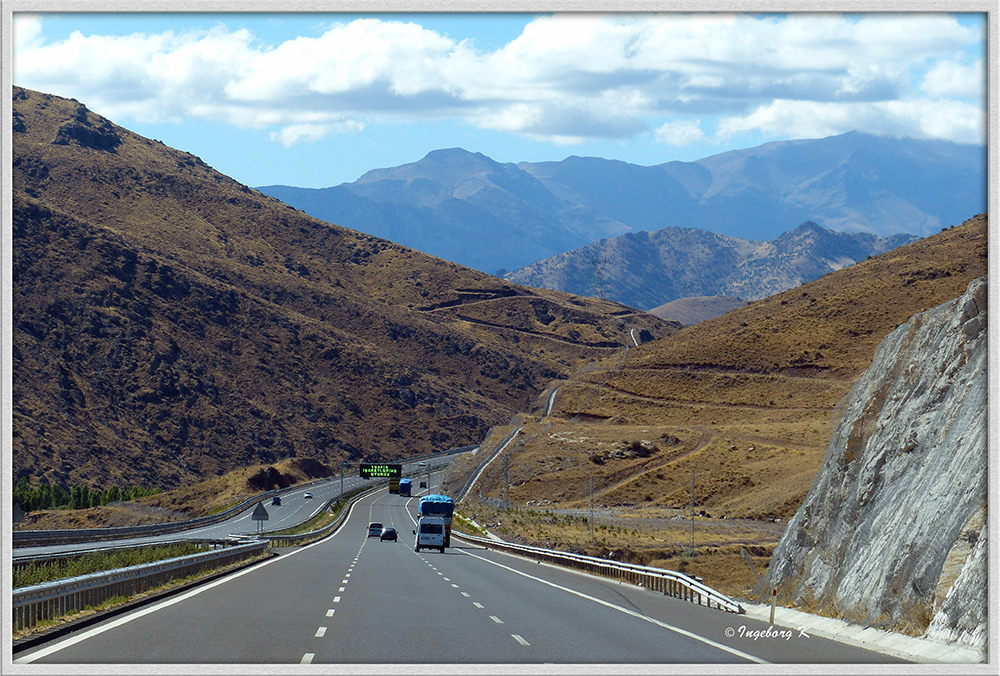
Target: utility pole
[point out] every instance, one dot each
(692, 512)
(341, 478)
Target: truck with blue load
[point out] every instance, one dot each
(434, 510)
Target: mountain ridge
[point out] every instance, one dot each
(510, 215)
(647, 270)
(172, 323)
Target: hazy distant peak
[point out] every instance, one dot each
(447, 167)
(470, 209)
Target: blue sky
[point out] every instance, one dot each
(315, 100)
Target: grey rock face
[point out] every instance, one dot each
(905, 471)
(962, 617)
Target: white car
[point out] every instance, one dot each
(308, 496)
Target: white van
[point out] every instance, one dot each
(430, 533)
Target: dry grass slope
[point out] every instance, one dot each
(744, 402)
(172, 325)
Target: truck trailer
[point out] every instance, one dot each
(440, 506)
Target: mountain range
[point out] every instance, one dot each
(647, 270)
(497, 217)
(171, 324)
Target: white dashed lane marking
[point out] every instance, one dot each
(496, 619)
(307, 658)
(519, 639)
(321, 632)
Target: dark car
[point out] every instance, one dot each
(388, 534)
(374, 529)
(276, 500)
(423, 484)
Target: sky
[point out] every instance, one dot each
(315, 100)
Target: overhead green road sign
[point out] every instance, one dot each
(375, 470)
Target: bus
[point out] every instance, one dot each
(438, 505)
(404, 487)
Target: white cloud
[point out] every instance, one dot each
(566, 78)
(294, 133)
(949, 120)
(960, 80)
(679, 133)
(27, 30)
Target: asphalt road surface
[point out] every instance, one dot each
(353, 600)
(295, 509)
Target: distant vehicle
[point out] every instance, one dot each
(404, 487)
(430, 534)
(387, 534)
(308, 496)
(276, 500)
(439, 506)
(423, 484)
(374, 529)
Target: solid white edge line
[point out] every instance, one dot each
(678, 630)
(56, 647)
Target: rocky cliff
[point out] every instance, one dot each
(892, 533)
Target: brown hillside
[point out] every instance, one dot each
(171, 324)
(745, 400)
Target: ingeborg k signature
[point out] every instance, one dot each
(770, 633)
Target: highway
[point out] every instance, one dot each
(295, 509)
(350, 599)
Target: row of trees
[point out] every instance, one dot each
(54, 496)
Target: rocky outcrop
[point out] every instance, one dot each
(902, 486)
(83, 132)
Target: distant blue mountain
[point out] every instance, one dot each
(649, 269)
(487, 215)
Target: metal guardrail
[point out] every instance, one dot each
(53, 599)
(485, 462)
(669, 582)
(319, 533)
(41, 538)
(353, 496)
(20, 562)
